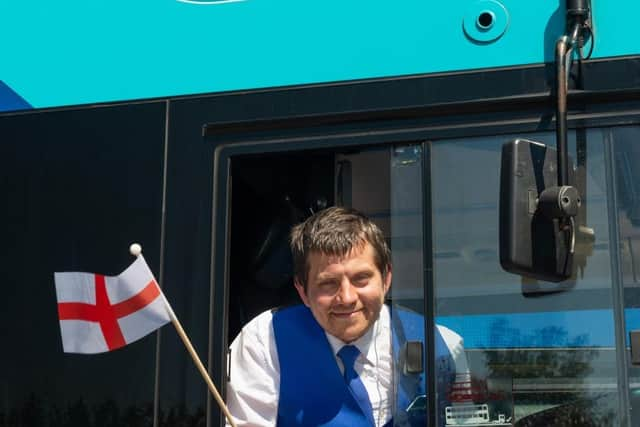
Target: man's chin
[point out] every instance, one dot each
(350, 334)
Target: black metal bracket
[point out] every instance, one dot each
(563, 201)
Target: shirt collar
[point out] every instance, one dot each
(380, 330)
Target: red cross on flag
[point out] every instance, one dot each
(102, 313)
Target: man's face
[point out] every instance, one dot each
(345, 294)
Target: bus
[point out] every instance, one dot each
(204, 130)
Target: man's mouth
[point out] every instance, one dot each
(345, 314)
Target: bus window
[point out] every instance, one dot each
(272, 192)
(535, 358)
(625, 157)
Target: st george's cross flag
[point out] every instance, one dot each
(102, 313)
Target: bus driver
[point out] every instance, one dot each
(329, 361)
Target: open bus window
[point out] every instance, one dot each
(272, 192)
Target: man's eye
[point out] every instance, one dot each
(327, 284)
(362, 279)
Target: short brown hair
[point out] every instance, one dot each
(336, 231)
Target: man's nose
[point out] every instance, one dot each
(346, 292)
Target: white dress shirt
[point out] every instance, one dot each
(254, 384)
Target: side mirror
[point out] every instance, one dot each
(537, 226)
(538, 200)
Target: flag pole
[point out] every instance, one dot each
(136, 250)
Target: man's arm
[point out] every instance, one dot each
(253, 387)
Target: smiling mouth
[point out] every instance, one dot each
(345, 315)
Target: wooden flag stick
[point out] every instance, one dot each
(199, 365)
(136, 250)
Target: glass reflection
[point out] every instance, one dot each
(536, 358)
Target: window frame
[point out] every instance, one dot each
(397, 125)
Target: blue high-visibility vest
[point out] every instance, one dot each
(312, 389)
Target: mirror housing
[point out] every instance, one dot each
(537, 227)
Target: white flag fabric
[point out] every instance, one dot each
(102, 313)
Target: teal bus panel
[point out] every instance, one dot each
(79, 52)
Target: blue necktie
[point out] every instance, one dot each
(348, 354)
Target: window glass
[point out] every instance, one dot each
(387, 185)
(625, 158)
(407, 292)
(535, 358)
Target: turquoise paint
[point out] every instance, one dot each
(614, 27)
(78, 52)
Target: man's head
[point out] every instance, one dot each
(342, 270)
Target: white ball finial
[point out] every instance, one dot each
(135, 249)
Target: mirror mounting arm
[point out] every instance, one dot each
(578, 15)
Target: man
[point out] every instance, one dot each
(329, 361)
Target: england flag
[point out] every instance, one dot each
(103, 313)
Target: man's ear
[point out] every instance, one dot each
(387, 280)
(301, 291)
